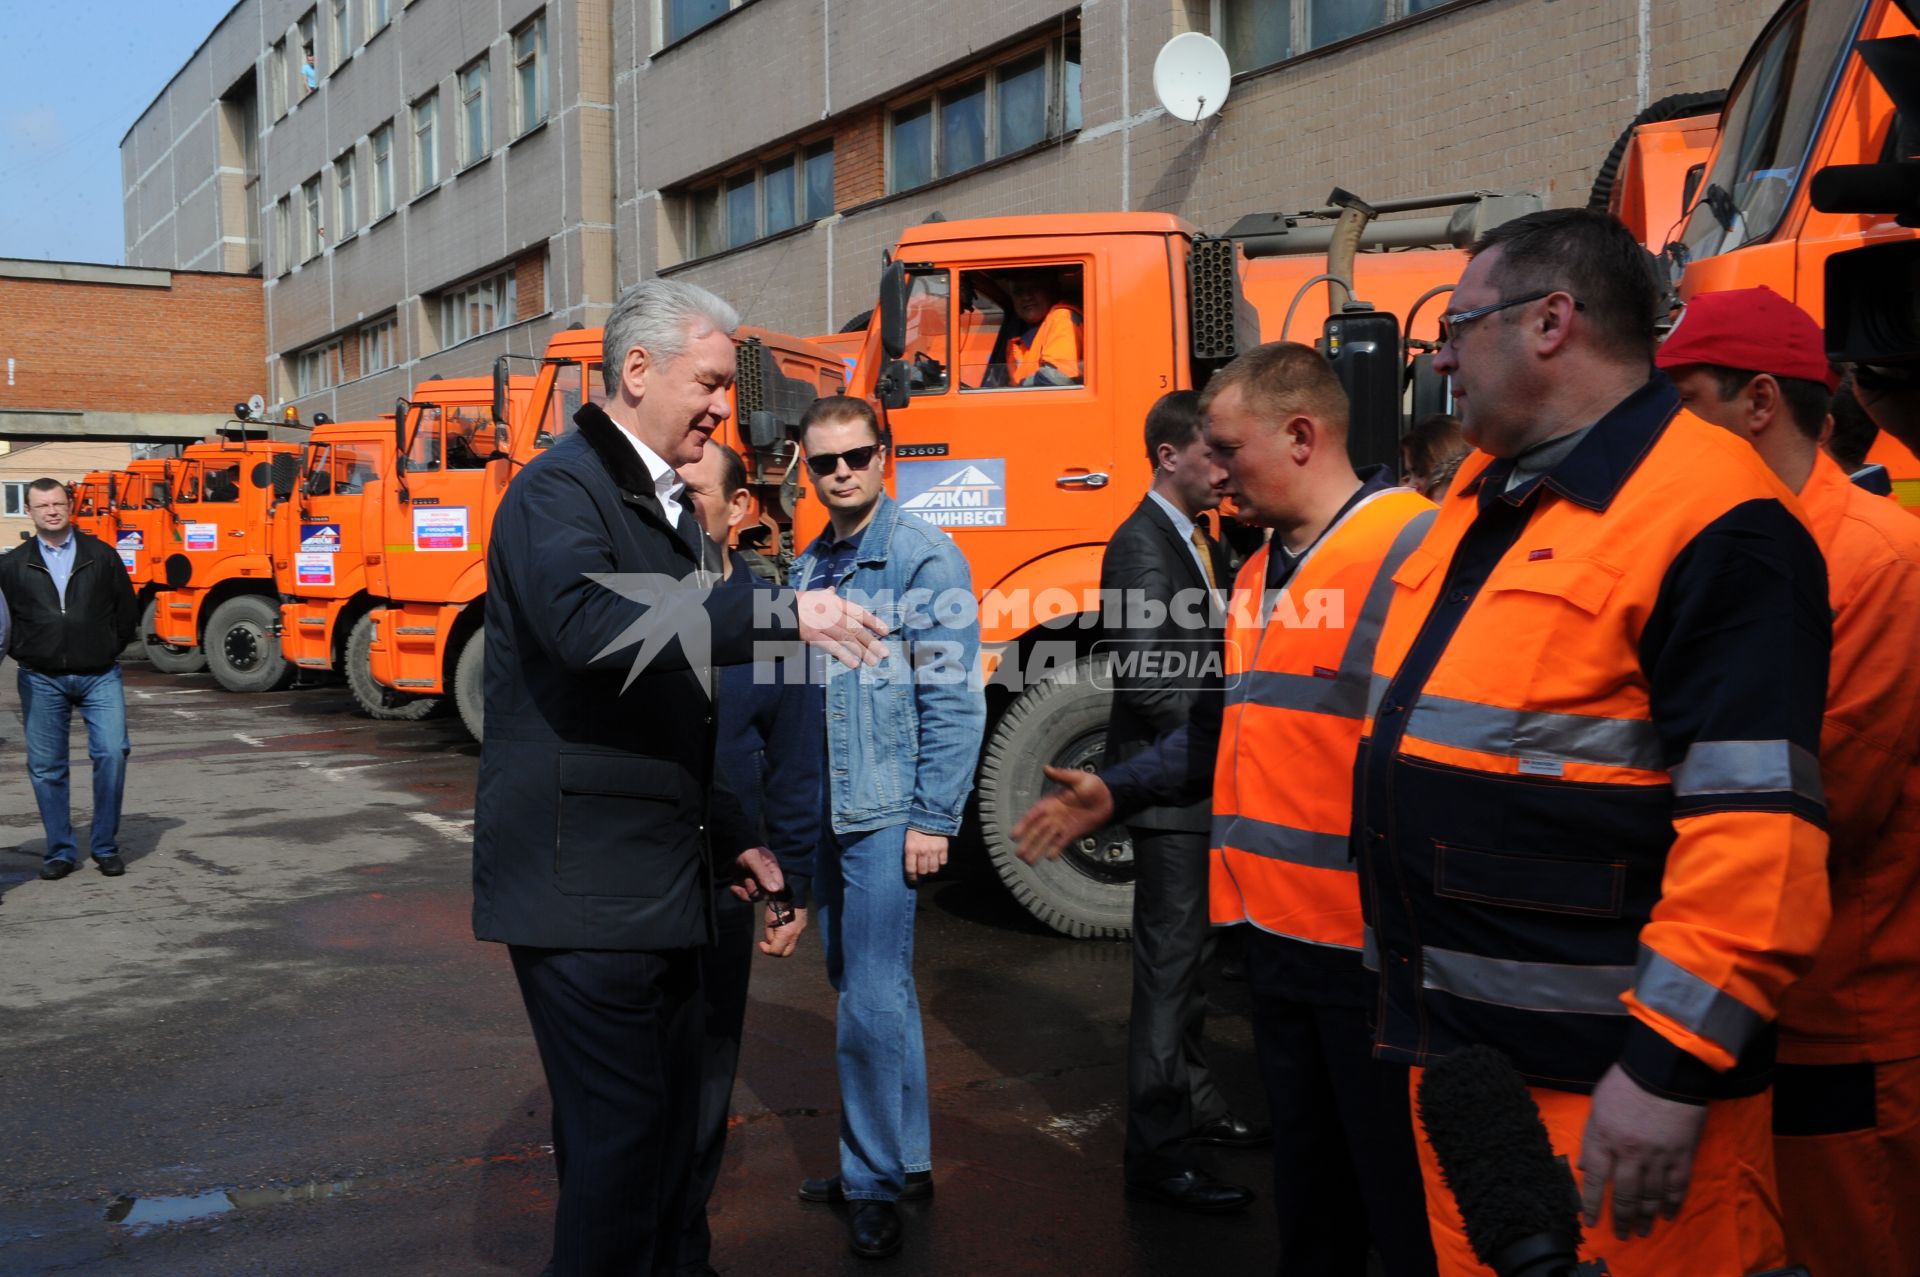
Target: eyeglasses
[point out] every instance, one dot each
(1451, 324)
(825, 463)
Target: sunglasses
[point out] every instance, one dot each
(1451, 324)
(825, 463)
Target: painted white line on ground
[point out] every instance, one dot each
(245, 739)
(460, 831)
(145, 695)
(1071, 1128)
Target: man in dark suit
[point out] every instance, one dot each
(1165, 577)
(600, 821)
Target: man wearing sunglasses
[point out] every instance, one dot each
(901, 741)
(1588, 813)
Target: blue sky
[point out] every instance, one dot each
(74, 76)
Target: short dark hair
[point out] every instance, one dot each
(1175, 419)
(1590, 255)
(1433, 439)
(50, 485)
(1853, 430)
(841, 408)
(1807, 401)
(733, 471)
(1282, 377)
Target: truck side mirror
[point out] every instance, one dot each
(1363, 345)
(893, 310)
(400, 408)
(500, 391)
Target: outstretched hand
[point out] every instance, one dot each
(841, 628)
(1082, 804)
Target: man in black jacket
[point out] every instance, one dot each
(73, 611)
(1161, 584)
(599, 819)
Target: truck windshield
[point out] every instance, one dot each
(1769, 125)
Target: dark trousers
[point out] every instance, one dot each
(724, 969)
(619, 1038)
(1345, 1171)
(1169, 1089)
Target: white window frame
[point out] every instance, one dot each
(529, 115)
(340, 27)
(313, 229)
(380, 150)
(1300, 25)
(378, 14)
(309, 30)
(456, 307)
(426, 141)
(474, 84)
(379, 345)
(988, 78)
(662, 37)
(283, 245)
(794, 159)
(277, 80)
(346, 218)
(317, 367)
(13, 499)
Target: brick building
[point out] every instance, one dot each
(465, 178)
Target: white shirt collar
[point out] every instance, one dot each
(666, 482)
(1181, 523)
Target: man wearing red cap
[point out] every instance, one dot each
(1847, 1092)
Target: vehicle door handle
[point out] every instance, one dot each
(238, 532)
(1094, 480)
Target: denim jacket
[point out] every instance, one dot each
(903, 736)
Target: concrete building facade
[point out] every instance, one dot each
(771, 149)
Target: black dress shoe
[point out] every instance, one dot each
(918, 1188)
(1232, 1132)
(1193, 1190)
(55, 870)
(873, 1229)
(111, 866)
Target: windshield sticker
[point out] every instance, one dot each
(201, 536)
(440, 528)
(319, 538)
(955, 494)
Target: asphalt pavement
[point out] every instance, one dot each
(274, 1047)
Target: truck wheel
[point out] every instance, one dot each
(165, 657)
(243, 651)
(1062, 722)
(372, 697)
(469, 688)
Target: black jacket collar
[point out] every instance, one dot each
(615, 450)
(1594, 472)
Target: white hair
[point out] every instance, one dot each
(660, 316)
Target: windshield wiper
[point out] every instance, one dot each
(1717, 199)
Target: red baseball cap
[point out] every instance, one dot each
(1753, 330)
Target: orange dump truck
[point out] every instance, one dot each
(429, 638)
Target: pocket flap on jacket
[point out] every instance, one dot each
(1415, 568)
(1554, 884)
(1585, 583)
(617, 774)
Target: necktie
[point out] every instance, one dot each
(1204, 544)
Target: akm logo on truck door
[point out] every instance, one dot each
(955, 494)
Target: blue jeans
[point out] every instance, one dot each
(46, 710)
(865, 912)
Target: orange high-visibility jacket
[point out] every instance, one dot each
(1903, 468)
(1861, 1001)
(1056, 342)
(1588, 808)
(1297, 667)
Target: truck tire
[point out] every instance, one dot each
(1677, 106)
(242, 647)
(469, 691)
(165, 657)
(1088, 891)
(372, 697)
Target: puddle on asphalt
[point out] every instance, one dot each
(141, 1213)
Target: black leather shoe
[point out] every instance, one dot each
(873, 1228)
(1193, 1190)
(111, 866)
(919, 1187)
(55, 870)
(1232, 1132)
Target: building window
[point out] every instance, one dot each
(426, 146)
(530, 75)
(13, 499)
(283, 233)
(1258, 33)
(342, 24)
(680, 18)
(317, 367)
(378, 12)
(379, 342)
(1020, 102)
(313, 230)
(473, 309)
(346, 216)
(277, 73)
(381, 144)
(309, 70)
(474, 142)
(788, 190)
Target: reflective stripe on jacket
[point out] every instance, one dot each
(1858, 1002)
(1056, 343)
(1297, 666)
(1589, 808)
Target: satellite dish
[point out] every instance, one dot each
(256, 405)
(1191, 76)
